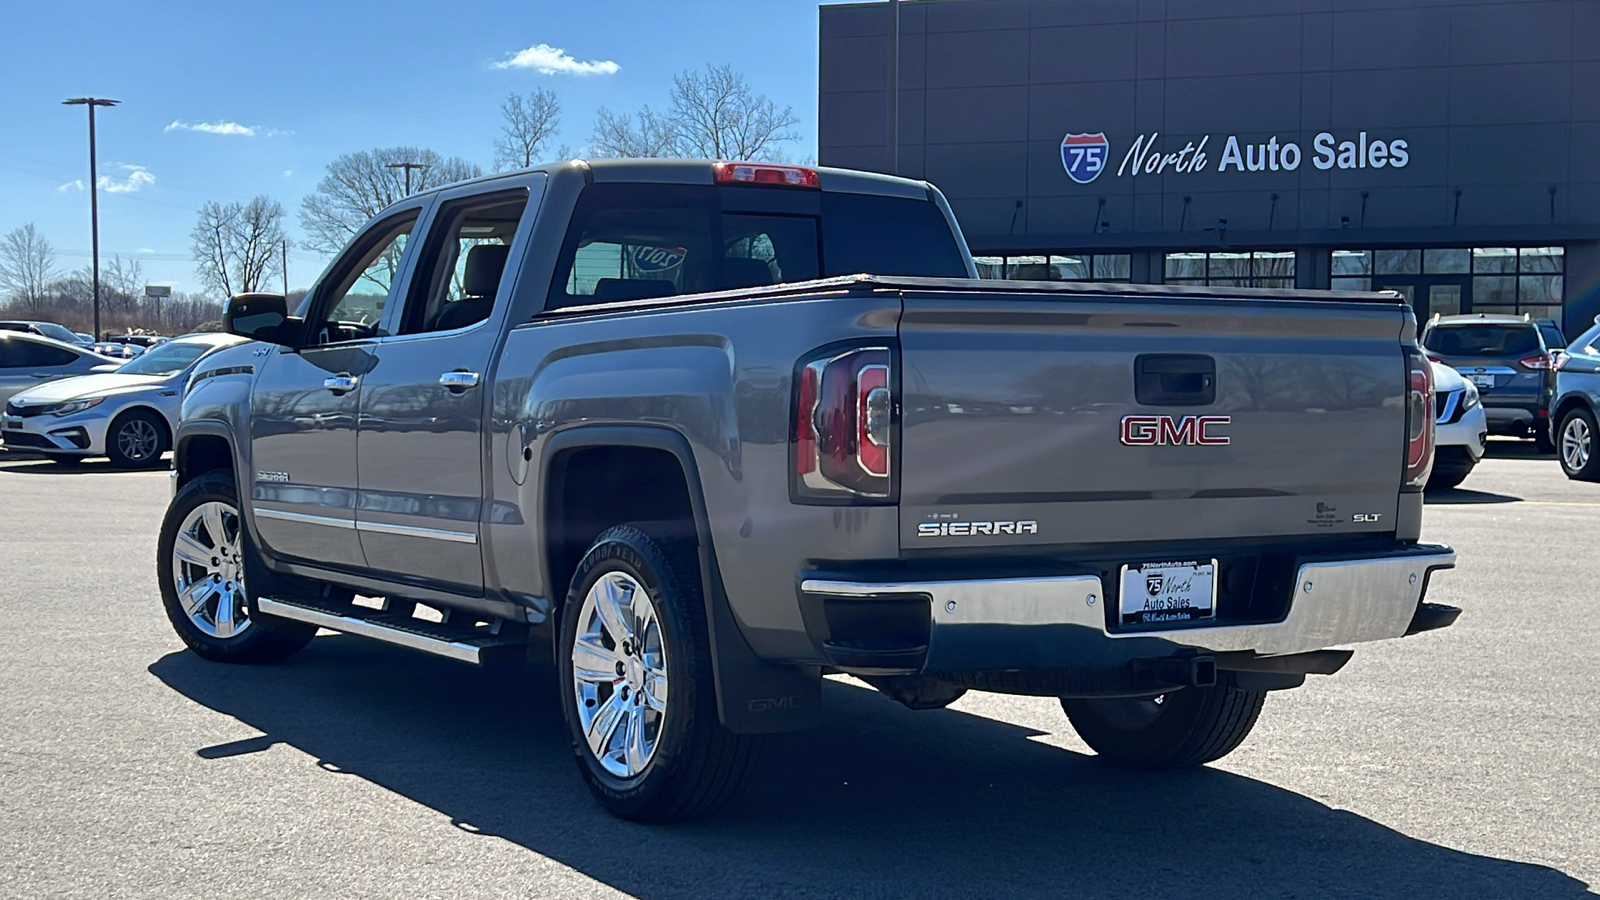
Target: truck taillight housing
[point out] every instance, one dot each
(1419, 419)
(845, 424)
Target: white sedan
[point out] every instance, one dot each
(1460, 427)
(127, 415)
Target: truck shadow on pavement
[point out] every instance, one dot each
(879, 801)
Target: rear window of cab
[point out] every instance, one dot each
(634, 242)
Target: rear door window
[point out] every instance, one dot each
(1483, 340)
(27, 354)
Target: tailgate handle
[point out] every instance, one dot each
(1174, 379)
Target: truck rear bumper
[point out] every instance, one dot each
(1060, 622)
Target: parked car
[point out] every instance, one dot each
(647, 417)
(1577, 406)
(47, 329)
(1507, 359)
(1461, 428)
(26, 359)
(128, 415)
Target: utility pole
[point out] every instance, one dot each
(285, 267)
(94, 198)
(408, 166)
(894, 87)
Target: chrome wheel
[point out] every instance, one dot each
(1576, 443)
(208, 571)
(138, 440)
(619, 674)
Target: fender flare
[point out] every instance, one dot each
(753, 696)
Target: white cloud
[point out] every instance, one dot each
(288, 173)
(138, 177)
(556, 61)
(230, 128)
(145, 250)
(75, 184)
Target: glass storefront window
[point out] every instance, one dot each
(1396, 262)
(1494, 259)
(1112, 266)
(1070, 268)
(1446, 262)
(1057, 267)
(1541, 259)
(1259, 268)
(1352, 262)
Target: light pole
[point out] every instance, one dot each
(94, 199)
(408, 166)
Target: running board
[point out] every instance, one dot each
(469, 644)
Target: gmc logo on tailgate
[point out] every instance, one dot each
(1192, 431)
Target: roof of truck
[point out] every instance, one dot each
(699, 171)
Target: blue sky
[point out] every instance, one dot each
(317, 79)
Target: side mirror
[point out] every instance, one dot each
(261, 317)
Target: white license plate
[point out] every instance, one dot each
(1482, 381)
(1153, 593)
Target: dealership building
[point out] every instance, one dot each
(1446, 149)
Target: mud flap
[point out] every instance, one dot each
(754, 697)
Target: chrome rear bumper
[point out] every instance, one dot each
(1061, 620)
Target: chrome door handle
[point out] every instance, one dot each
(341, 384)
(459, 381)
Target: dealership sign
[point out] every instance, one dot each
(1087, 156)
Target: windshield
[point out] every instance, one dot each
(1483, 340)
(59, 332)
(166, 359)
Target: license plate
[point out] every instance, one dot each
(12, 424)
(1154, 593)
(1483, 382)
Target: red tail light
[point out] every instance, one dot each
(1419, 419)
(1539, 361)
(844, 427)
(1560, 361)
(764, 173)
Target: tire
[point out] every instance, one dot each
(136, 439)
(1577, 449)
(1541, 441)
(1178, 730)
(208, 604)
(1443, 479)
(663, 683)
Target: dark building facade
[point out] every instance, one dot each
(1448, 149)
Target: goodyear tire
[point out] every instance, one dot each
(637, 689)
(1181, 729)
(201, 561)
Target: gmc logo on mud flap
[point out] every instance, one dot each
(768, 704)
(1191, 431)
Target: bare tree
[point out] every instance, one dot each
(236, 245)
(27, 266)
(530, 122)
(122, 284)
(360, 185)
(712, 114)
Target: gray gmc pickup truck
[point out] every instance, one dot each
(647, 420)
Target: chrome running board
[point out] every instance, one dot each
(468, 644)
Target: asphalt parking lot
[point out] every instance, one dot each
(1462, 763)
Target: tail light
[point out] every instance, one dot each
(1538, 361)
(1560, 362)
(1419, 419)
(844, 427)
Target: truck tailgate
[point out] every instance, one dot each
(1016, 427)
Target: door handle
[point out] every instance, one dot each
(341, 384)
(459, 380)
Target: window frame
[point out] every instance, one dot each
(315, 306)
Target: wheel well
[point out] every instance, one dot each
(200, 454)
(591, 489)
(1566, 406)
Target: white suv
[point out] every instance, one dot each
(1460, 427)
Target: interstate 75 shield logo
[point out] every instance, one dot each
(1084, 156)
